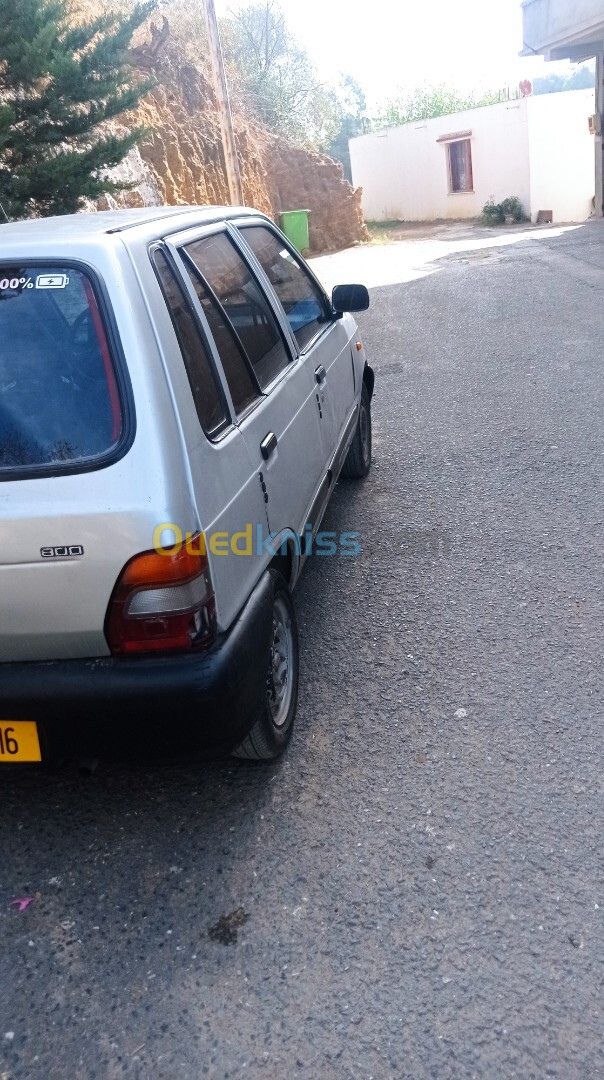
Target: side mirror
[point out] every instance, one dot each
(349, 298)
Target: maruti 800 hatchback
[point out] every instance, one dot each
(174, 384)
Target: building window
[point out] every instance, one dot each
(460, 166)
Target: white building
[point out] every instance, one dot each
(538, 148)
(564, 30)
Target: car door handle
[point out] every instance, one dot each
(268, 445)
(320, 374)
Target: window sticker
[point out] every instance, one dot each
(52, 281)
(12, 284)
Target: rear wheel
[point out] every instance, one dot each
(358, 459)
(273, 728)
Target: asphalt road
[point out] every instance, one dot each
(422, 877)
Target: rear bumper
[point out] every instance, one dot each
(210, 698)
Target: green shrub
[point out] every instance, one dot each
(495, 213)
(514, 208)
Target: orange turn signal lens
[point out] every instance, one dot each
(186, 561)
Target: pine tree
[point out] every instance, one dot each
(60, 80)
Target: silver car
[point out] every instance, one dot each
(178, 397)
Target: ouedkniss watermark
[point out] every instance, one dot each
(410, 542)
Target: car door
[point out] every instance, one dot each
(227, 493)
(281, 424)
(322, 340)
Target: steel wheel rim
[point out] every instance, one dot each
(280, 678)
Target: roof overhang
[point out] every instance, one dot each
(456, 136)
(558, 30)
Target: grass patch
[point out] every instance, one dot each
(381, 231)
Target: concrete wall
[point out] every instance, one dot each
(403, 170)
(561, 154)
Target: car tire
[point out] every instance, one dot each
(273, 728)
(358, 459)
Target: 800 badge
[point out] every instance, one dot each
(63, 551)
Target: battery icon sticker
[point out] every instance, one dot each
(52, 281)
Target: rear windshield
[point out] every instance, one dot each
(59, 400)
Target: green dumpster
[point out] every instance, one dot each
(295, 226)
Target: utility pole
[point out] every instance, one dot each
(224, 106)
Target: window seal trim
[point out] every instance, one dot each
(324, 330)
(120, 370)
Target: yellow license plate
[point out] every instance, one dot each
(19, 741)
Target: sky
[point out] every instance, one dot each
(385, 44)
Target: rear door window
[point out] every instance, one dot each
(235, 364)
(244, 304)
(60, 404)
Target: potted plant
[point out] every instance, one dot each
(508, 212)
(513, 210)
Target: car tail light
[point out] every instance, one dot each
(163, 602)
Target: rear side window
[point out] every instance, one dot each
(59, 399)
(207, 394)
(302, 300)
(244, 304)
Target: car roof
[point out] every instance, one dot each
(97, 223)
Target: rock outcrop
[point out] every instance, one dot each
(181, 161)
